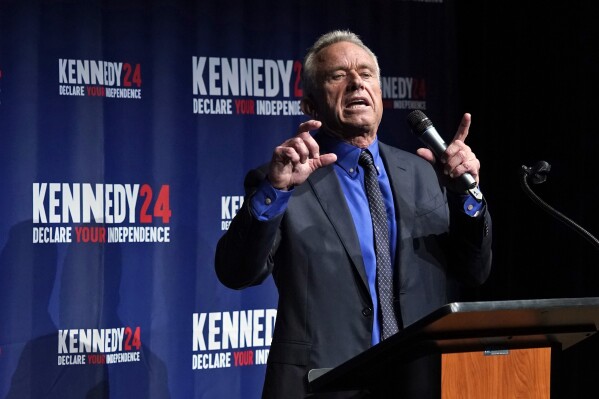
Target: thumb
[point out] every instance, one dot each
(324, 160)
(426, 154)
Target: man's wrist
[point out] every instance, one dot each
(268, 201)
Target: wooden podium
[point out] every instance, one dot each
(501, 349)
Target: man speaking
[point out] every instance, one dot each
(360, 237)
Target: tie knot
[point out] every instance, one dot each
(365, 158)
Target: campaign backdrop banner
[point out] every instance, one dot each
(126, 129)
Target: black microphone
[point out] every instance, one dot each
(423, 128)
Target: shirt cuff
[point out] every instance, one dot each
(467, 203)
(268, 202)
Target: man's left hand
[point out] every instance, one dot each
(457, 159)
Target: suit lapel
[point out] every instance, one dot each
(327, 189)
(402, 186)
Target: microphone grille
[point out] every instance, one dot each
(418, 121)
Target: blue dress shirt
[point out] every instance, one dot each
(351, 178)
(268, 202)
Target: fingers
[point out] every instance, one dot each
(463, 129)
(325, 160)
(459, 160)
(302, 146)
(458, 157)
(295, 159)
(307, 126)
(426, 154)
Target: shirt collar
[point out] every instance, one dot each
(347, 154)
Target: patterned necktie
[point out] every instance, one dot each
(384, 271)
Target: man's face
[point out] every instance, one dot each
(349, 101)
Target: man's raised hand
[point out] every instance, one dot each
(294, 160)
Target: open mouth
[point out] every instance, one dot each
(357, 103)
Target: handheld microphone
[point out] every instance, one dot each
(423, 128)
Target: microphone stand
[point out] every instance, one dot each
(538, 175)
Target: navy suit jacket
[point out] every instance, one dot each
(313, 253)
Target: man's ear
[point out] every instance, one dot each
(309, 107)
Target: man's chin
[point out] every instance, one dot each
(359, 126)
(349, 131)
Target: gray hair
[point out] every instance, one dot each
(309, 70)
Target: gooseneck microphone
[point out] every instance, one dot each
(537, 174)
(423, 128)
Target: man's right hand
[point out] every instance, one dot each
(294, 160)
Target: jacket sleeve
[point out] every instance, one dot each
(470, 244)
(244, 253)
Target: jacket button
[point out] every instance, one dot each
(367, 312)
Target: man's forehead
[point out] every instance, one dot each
(340, 54)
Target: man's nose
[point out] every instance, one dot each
(355, 81)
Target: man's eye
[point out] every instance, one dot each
(366, 75)
(338, 76)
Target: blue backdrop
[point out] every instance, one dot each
(126, 128)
